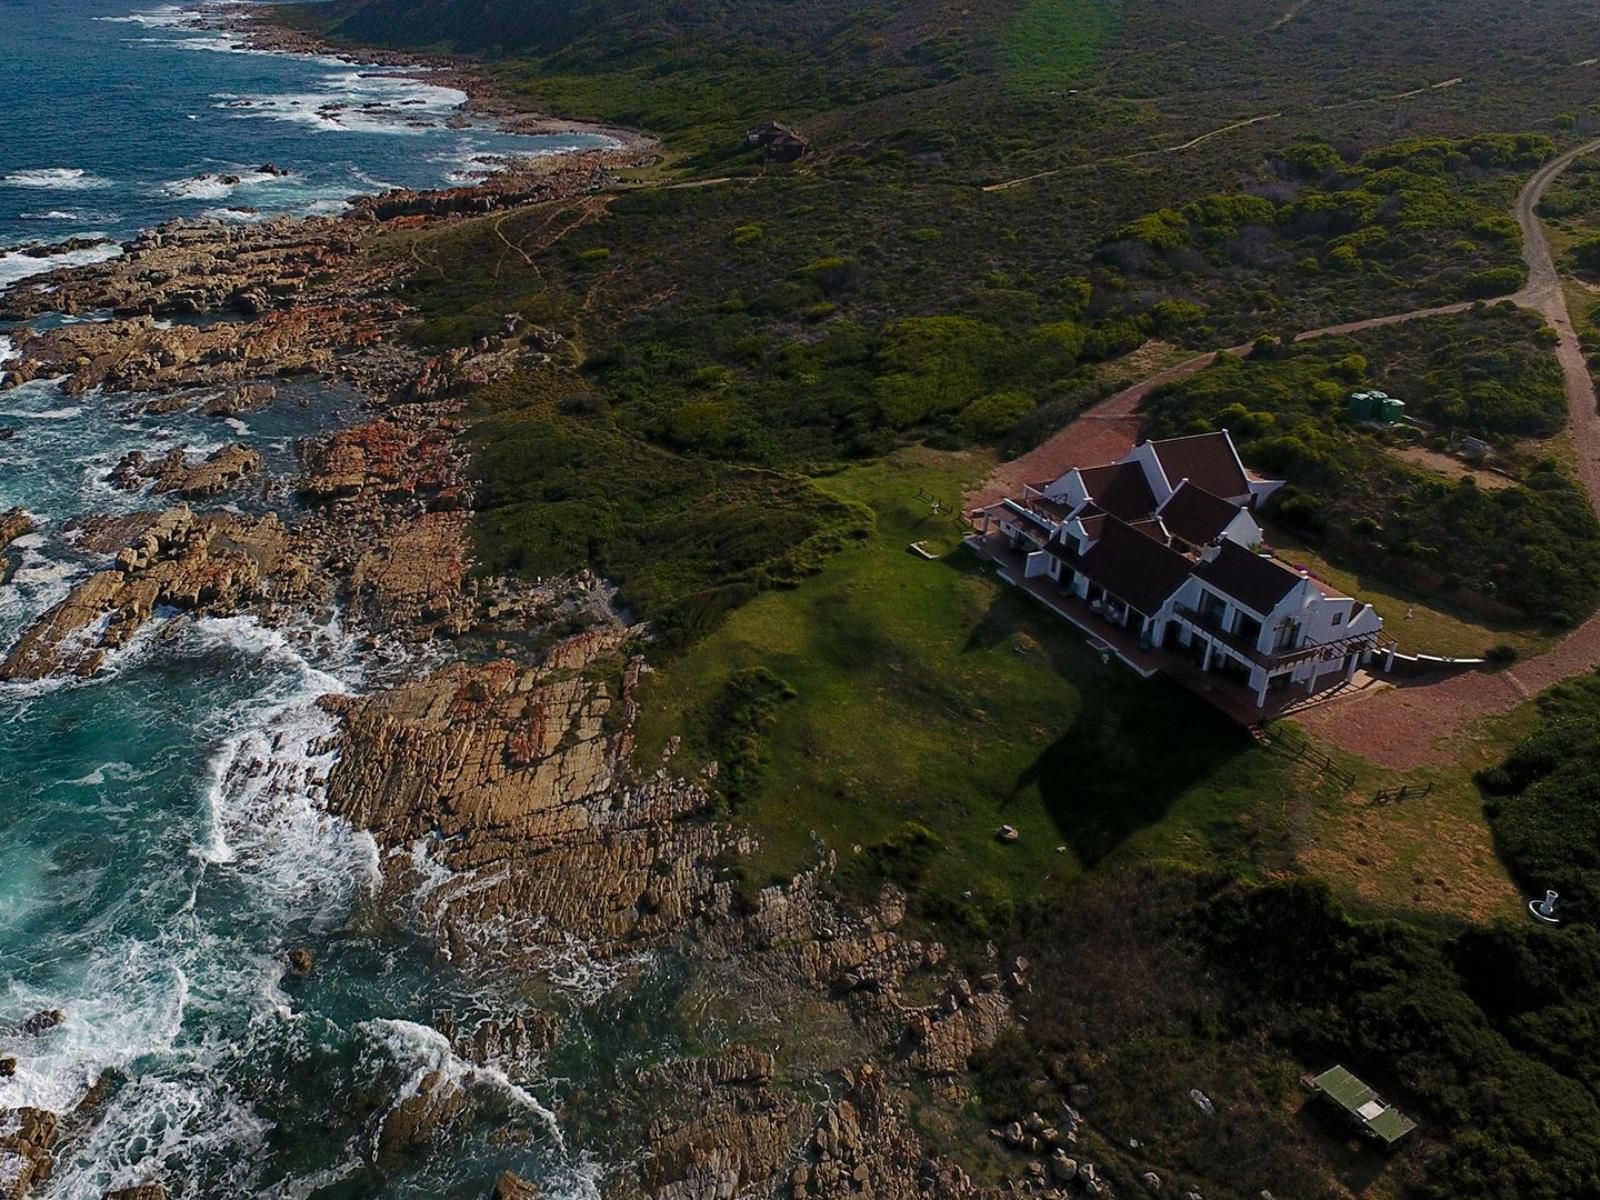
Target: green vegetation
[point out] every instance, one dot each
(1161, 980)
(1544, 801)
(1324, 237)
(684, 539)
(1052, 43)
(932, 704)
(760, 386)
(734, 729)
(1531, 549)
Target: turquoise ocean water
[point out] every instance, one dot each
(151, 877)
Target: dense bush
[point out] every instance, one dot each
(1362, 233)
(685, 539)
(1544, 801)
(733, 732)
(1483, 1037)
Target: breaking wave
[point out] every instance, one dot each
(55, 179)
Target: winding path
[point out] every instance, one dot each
(1400, 727)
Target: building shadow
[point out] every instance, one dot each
(1135, 748)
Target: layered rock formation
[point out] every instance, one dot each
(513, 775)
(209, 563)
(14, 523)
(192, 479)
(27, 1137)
(193, 267)
(508, 775)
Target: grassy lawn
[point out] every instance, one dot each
(1429, 855)
(928, 692)
(1412, 618)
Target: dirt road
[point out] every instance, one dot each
(1404, 727)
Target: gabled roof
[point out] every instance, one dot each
(1254, 580)
(1120, 489)
(1152, 528)
(1133, 567)
(1094, 525)
(1207, 460)
(1196, 515)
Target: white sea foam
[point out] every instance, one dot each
(354, 101)
(46, 414)
(424, 1051)
(14, 266)
(162, 1126)
(262, 826)
(55, 179)
(167, 16)
(218, 185)
(128, 1001)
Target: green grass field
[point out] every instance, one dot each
(1053, 43)
(929, 692)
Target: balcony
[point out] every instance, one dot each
(1279, 659)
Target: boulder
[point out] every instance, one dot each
(511, 1186)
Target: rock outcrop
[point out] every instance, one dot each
(27, 1137)
(193, 480)
(190, 267)
(210, 563)
(508, 775)
(14, 523)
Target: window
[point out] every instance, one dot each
(1338, 618)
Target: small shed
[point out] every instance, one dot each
(1376, 406)
(781, 143)
(1376, 1117)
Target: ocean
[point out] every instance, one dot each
(152, 880)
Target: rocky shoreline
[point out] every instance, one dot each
(512, 769)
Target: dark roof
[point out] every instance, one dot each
(1207, 460)
(1196, 515)
(1094, 525)
(1151, 527)
(1254, 580)
(1134, 568)
(1121, 489)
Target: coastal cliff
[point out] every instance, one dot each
(509, 769)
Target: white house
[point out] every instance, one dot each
(1164, 544)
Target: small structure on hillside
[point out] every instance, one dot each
(1376, 1117)
(1544, 911)
(1376, 406)
(781, 143)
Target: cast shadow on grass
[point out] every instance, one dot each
(1134, 750)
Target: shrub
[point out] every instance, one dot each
(991, 417)
(1499, 281)
(905, 855)
(736, 729)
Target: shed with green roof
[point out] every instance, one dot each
(1364, 1106)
